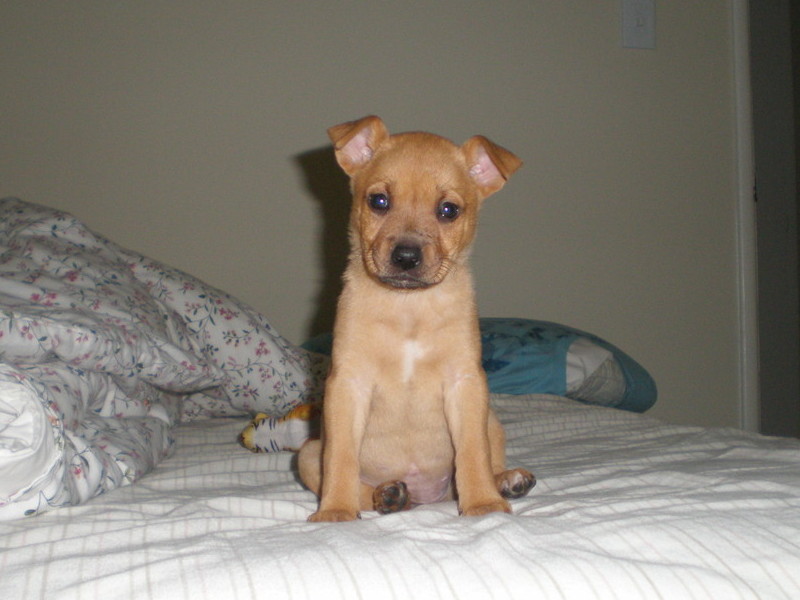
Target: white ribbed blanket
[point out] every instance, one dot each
(626, 507)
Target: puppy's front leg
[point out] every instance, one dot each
(344, 417)
(467, 413)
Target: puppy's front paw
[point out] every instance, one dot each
(477, 510)
(334, 516)
(514, 483)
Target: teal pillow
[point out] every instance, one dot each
(522, 356)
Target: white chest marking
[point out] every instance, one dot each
(412, 352)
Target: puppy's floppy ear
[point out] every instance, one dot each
(355, 142)
(490, 165)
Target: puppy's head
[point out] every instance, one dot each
(415, 198)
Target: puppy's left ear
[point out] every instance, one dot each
(490, 165)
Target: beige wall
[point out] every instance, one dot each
(195, 132)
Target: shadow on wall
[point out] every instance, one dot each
(330, 188)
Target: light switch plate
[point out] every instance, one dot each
(639, 24)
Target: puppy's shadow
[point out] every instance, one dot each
(330, 188)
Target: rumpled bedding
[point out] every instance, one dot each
(103, 351)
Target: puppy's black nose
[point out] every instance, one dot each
(407, 257)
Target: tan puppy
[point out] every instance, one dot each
(406, 402)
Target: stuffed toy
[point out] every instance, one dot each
(273, 434)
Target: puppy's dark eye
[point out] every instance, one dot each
(378, 202)
(448, 211)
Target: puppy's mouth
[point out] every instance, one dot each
(404, 281)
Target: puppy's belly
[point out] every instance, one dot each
(423, 488)
(417, 451)
(426, 488)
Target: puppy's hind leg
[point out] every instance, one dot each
(388, 497)
(309, 463)
(513, 483)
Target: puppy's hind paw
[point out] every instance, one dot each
(391, 496)
(515, 483)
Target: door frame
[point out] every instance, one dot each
(746, 241)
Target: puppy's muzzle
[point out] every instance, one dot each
(406, 268)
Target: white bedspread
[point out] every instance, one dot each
(625, 507)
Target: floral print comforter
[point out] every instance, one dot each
(103, 351)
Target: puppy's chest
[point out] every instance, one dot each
(413, 367)
(408, 393)
(400, 368)
(413, 358)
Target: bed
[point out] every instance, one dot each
(125, 388)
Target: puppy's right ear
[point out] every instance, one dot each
(355, 142)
